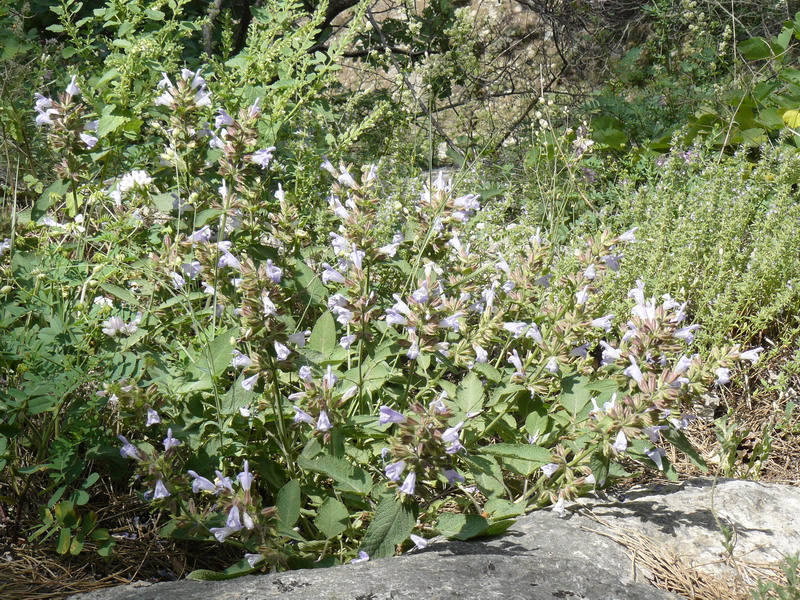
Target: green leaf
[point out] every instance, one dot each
(64, 539)
(754, 49)
(575, 394)
(109, 123)
(469, 398)
(288, 503)
(393, 522)
(323, 335)
(238, 569)
(54, 192)
(529, 452)
(791, 118)
(677, 439)
(348, 477)
(598, 463)
(332, 518)
(488, 475)
(307, 281)
(120, 293)
(219, 352)
(461, 527)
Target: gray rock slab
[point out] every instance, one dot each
(543, 557)
(688, 519)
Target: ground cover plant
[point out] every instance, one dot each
(213, 323)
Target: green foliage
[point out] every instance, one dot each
(788, 591)
(723, 235)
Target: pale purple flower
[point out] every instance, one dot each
(751, 355)
(582, 296)
(305, 373)
(270, 309)
(590, 273)
(723, 376)
(629, 236)
(656, 454)
(481, 356)
(222, 533)
(559, 508)
(336, 206)
(345, 178)
(633, 371)
(274, 273)
(254, 109)
(202, 235)
(178, 280)
(388, 415)
(128, 450)
(552, 365)
(683, 364)
(323, 422)
(413, 351)
(229, 260)
(612, 261)
(451, 434)
(302, 416)
(515, 360)
(362, 557)
(534, 333)
(652, 432)
(421, 295)
(339, 243)
(349, 393)
(161, 490)
(686, 333)
(544, 281)
(299, 339)
(245, 478)
(395, 470)
(330, 274)
(192, 269)
(72, 88)
(438, 406)
(240, 360)
(453, 476)
(250, 382)
(254, 559)
(621, 443)
(420, 543)
(329, 379)
(223, 119)
(395, 318)
(262, 157)
(152, 417)
(202, 484)
(343, 315)
(610, 354)
(169, 441)
(451, 322)
(346, 341)
(245, 411)
(581, 351)
(517, 328)
(282, 351)
(89, 140)
(223, 483)
(549, 469)
(603, 322)
(409, 484)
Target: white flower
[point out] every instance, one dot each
(516, 328)
(362, 557)
(161, 490)
(249, 383)
(552, 365)
(72, 88)
(582, 296)
(723, 376)
(282, 351)
(420, 543)
(656, 455)
(481, 356)
(633, 371)
(89, 140)
(621, 443)
(751, 355)
(323, 422)
(254, 559)
(603, 322)
(152, 417)
(262, 157)
(240, 360)
(549, 469)
(686, 333)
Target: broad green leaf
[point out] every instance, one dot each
(219, 352)
(469, 398)
(392, 524)
(109, 123)
(323, 335)
(530, 452)
(461, 527)
(754, 49)
(348, 477)
(677, 439)
(599, 463)
(64, 539)
(332, 518)
(53, 193)
(307, 281)
(499, 508)
(238, 569)
(791, 118)
(288, 503)
(236, 397)
(575, 394)
(488, 475)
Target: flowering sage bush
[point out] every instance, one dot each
(318, 401)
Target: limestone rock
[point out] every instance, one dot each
(546, 557)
